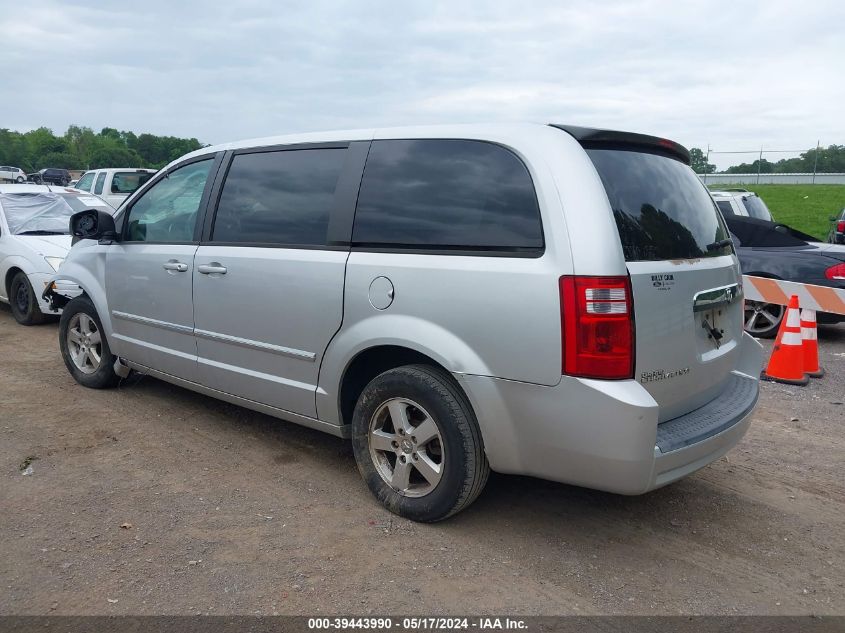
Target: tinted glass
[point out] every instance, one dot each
(446, 194)
(45, 213)
(128, 181)
(98, 188)
(280, 197)
(725, 207)
(756, 208)
(85, 182)
(662, 209)
(167, 212)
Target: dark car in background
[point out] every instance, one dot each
(770, 249)
(51, 176)
(837, 229)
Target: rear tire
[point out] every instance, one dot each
(84, 346)
(417, 443)
(23, 301)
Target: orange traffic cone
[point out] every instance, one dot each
(787, 361)
(810, 338)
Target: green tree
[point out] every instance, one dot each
(81, 148)
(765, 167)
(64, 160)
(115, 157)
(698, 162)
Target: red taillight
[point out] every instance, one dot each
(597, 327)
(840, 226)
(836, 272)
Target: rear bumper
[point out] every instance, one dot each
(604, 434)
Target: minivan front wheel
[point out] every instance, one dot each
(84, 347)
(417, 443)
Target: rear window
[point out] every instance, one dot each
(661, 208)
(757, 208)
(128, 181)
(446, 194)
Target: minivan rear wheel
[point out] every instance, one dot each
(417, 443)
(84, 346)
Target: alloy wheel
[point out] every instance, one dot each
(761, 318)
(406, 447)
(84, 343)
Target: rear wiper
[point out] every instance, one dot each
(715, 246)
(41, 233)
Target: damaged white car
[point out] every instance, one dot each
(34, 241)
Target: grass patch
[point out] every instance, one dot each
(803, 207)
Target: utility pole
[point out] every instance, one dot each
(706, 162)
(816, 161)
(759, 164)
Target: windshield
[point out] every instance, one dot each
(45, 213)
(757, 208)
(661, 208)
(128, 181)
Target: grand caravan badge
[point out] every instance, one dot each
(662, 374)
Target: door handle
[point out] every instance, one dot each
(174, 265)
(211, 269)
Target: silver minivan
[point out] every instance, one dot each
(545, 300)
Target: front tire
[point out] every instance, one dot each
(23, 301)
(19, 180)
(84, 346)
(417, 443)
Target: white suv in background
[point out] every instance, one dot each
(12, 174)
(115, 184)
(743, 203)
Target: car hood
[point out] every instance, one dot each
(48, 245)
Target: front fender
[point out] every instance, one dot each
(413, 333)
(85, 266)
(14, 261)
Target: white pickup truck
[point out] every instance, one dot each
(115, 184)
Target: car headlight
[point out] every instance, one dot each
(55, 262)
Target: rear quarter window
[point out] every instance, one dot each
(725, 207)
(447, 194)
(756, 208)
(661, 208)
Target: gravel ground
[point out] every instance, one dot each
(151, 499)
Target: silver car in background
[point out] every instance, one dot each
(546, 300)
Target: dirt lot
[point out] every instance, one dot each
(154, 500)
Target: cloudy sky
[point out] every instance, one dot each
(736, 74)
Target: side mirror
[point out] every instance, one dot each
(92, 224)
(833, 218)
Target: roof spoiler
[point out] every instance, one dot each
(591, 138)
